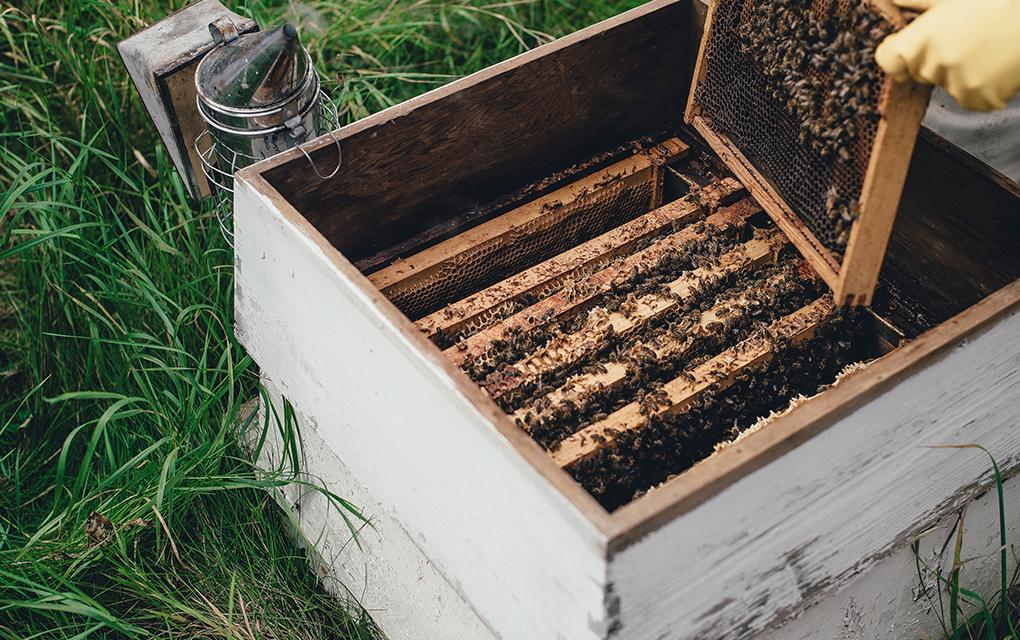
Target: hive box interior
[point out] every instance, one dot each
(318, 313)
(633, 319)
(442, 208)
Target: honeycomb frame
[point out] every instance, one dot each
(900, 107)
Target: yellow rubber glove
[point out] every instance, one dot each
(971, 48)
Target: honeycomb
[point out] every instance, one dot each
(560, 229)
(794, 85)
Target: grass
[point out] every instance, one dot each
(972, 616)
(127, 508)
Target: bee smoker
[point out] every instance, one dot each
(259, 95)
(224, 94)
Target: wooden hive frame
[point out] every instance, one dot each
(901, 106)
(513, 546)
(616, 373)
(481, 308)
(563, 304)
(721, 371)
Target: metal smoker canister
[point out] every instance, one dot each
(259, 95)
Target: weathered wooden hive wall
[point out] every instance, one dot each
(526, 361)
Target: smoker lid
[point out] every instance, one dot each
(254, 71)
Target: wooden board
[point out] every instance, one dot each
(458, 222)
(405, 168)
(826, 492)
(291, 296)
(892, 600)
(664, 348)
(956, 238)
(409, 599)
(407, 594)
(880, 196)
(637, 167)
(854, 276)
(477, 308)
(483, 254)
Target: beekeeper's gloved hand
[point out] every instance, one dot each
(971, 48)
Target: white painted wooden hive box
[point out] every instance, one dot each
(393, 305)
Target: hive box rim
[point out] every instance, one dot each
(683, 493)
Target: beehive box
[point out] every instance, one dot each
(479, 531)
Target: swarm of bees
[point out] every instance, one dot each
(664, 348)
(794, 84)
(820, 66)
(640, 281)
(558, 375)
(841, 211)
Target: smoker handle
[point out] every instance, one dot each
(223, 31)
(339, 158)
